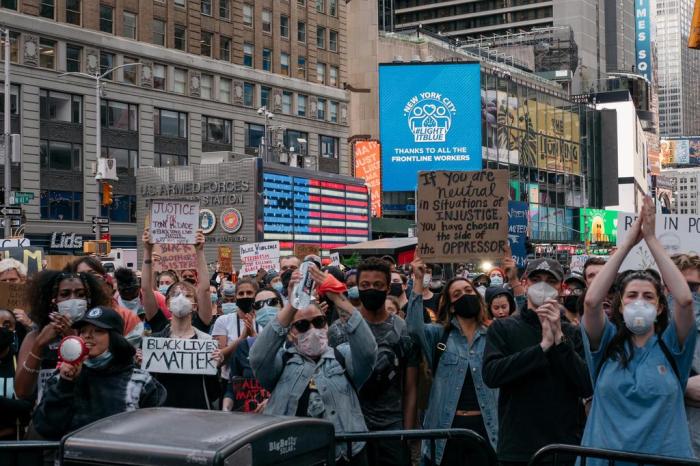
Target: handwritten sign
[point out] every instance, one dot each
(579, 260)
(174, 222)
(335, 259)
(179, 356)
(462, 216)
(247, 394)
(517, 231)
(32, 257)
(368, 167)
(174, 257)
(13, 296)
(58, 262)
(256, 256)
(301, 250)
(225, 259)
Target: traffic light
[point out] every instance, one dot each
(106, 194)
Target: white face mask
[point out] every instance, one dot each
(541, 292)
(496, 280)
(313, 343)
(180, 306)
(74, 309)
(639, 316)
(481, 290)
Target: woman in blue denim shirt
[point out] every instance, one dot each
(458, 397)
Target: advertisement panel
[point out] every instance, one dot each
(680, 152)
(368, 167)
(431, 121)
(598, 226)
(642, 13)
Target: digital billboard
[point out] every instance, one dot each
(642, 9)
(429, 119)
(684, 151)
(598, 226)
(368, 167)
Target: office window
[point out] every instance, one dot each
(333, 112)
(225, 90)
(56, 155)
(205, 86)
(225, 9)
(253, 135)
(61, 205)
(122, 209)
(333, 7)
(333, 41)
(73, 58)
(47, 53)
(119, 115)
(14, 99)
(301, 105)
(127, 160)
(73, 12)
(180, 81)
(301, 67)
(320, 37)
(301, 31)
(14, 47)
(131, 73)
(321, 109)
(321, 73)
(248, 15)
(248, 94)
(107, 19)
(207, 38)
(180, 2)
(320, 6)
(284, 26)
(284, 63)
(333, 76)
(170, 123)
(216, 130)
(159, 32)
(10, 4)
(180, 37)
(301, 2)
(267, 60)
(47, 9)
(58, 106)
(206, 7)
(328, 147)
(225, 48)
(159, 76)
(106, 64)
(287, 102)
(167, 160)
(296, 140)
(265, 93)
(267, 21)
(130, 25)
(248, 53)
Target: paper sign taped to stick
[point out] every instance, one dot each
(174, 222)
(225, 259)
(12, 296)
(676, 233)
(462, 216)
(179, 356)
(256, 256)
(174, 257)
(301, 250)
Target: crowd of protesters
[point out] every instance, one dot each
(604, 359)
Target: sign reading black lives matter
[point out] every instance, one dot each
(462, 216)
(174, 222)
(177, 356)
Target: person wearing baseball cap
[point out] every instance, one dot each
(534, 359)
(107, 382)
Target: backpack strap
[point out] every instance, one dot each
(440, 348)
(664, 349)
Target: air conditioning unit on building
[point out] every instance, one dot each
(106, 169)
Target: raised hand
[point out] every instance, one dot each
(649, 223)
(199, 240)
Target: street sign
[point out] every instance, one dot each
(20, 197)
(103, 228)
(100, 220)
(14, 222)
(11, 211)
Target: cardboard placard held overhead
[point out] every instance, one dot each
(58, 262)
(462, 216)
(174, 222)
(256, 256)
(13, 296)
(179, 356)
(31, 256)
(302, 250)
(225, 259)
(174, 257)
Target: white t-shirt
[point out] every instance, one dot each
(231, 326)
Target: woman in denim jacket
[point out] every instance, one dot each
(458, 397)
(311, 379)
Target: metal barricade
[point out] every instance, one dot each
(472, 440)
(556, 454)
(26, 452)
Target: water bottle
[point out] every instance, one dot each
(301, 295)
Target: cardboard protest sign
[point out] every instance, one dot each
(178, 356)
(676, 233)
(517, 231)
(225, 259)
(13, 296)
(174, 222)
(302, 250)
(174, 257)
(578, 261)
(247, 394)
(58, 262)
(32, 257)
(256, 256)
(462, 216)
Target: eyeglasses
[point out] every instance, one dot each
(257, 305)
(304, 325)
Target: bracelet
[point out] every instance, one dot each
(34, 356)
(29, 369)
(147, 261)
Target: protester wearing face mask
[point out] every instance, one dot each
(57, 299)
(497, 277)
(311, 379)
(15, 412)
(244, 392)
(430, 299)
(13, 271)
(397, 289)
(574, 288)
(532, 358)
(454, 349)
(640, 361)
(353, 290)
(106, 383)
(129, 297)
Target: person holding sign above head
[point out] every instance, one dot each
(15, 272)
(640, 361)
(105, 383)
(309, 378)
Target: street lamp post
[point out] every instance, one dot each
(268, 116)
(98, 123)
(7, 131)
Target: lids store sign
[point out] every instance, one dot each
(66, 241)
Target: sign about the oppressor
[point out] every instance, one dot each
(256, 256)
(174, 222)
(174, 257)
(462, 216)
(178, 356)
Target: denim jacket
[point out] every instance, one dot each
(458, 358)
(288, 381)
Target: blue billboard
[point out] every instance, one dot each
(642, 18)
(429, 119)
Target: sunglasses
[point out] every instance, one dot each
(257, 305)
(303, 326)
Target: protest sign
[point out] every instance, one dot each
(14, 243)
(517, 231)
(32, 257)
(13, 296)
(578, 261)
(174, 257)
(462, 216)
(179, 356)
(58, 262)
(225, 259)
(676, 233)
(301, 250)
(335, 259)
(174, 222)
(247, 394)
(256, 256)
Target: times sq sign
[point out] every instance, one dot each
(642, 16)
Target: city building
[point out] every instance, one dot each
(619, 35)
(685, 183)
(192, 78)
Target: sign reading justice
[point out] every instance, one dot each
(174, 222)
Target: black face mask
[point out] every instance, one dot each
(7, 338)
(396, 289)
(191, 281)
(372, 299)
(570, 302)
(245, 304)
(467, 306)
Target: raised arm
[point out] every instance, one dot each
(203, 296)
(414, 316)
(150, 305)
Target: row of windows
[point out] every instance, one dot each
(68, 206)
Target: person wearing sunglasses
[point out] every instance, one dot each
(307, 377)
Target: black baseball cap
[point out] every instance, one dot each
(550, 266)
(574, 277)
(102, 317)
